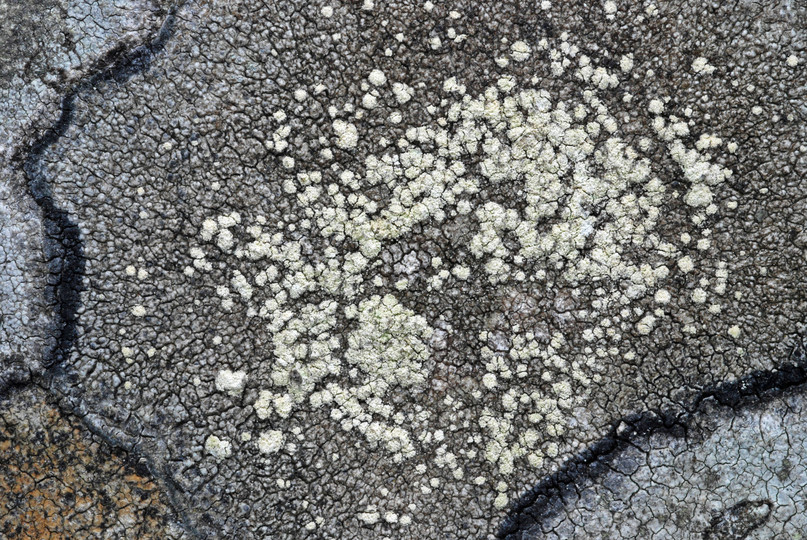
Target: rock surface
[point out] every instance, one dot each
(58, 481)
(366, 270)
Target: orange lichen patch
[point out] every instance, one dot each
(58, 481)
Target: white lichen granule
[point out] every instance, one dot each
(701, 65)
(489, 380)
(685, 264)
(656, 106)
(708, 140)
(300, 94)
(699, 296)
(500, 501)
(520, 51)
(391, 517)
(626, 63)
(139, 310)
(263, 405)
(271, 442)
(461, 272)
(734, 331)
(377, 77)
(792, 60)
(231, 382)
(218, 448)
(369, 101)
(346, 133)
(402, 92)
(699, 195)
(662, 296)
(283, 405)
(645, 326)
(369, 518)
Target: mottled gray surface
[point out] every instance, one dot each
(372, 270)
(25, 323)
(47, 46)
(738, 474)
(46, 49)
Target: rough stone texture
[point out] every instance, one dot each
(47, 48)
(26, 328)
(736, 474)
(59, 481)
(374, 270)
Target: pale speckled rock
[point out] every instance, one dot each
(737, 474)
(27, 332)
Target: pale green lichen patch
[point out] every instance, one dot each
(271, 442)
(389, 344)
(218, 448)
(231, 382)
(587, 218)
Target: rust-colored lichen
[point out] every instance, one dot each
(58, 481)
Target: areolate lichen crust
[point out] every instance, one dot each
(363, 270)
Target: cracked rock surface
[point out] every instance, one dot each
(58, 481)
(738, 474)
(46, 49)
(379, 269)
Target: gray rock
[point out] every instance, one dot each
(734, 472)
(365, 270)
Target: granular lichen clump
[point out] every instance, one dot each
(588, 211)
